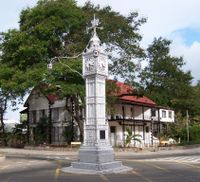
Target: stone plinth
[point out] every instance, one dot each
(96, 160)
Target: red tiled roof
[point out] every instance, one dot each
(126, 93)
(124, 89)
(52, 98)
(136, 99)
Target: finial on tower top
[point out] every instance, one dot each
(94, 25)
(94, 43)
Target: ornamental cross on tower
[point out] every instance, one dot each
(95, 25)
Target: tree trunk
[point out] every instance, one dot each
(76, 114)
(3, 128)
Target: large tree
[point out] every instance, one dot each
(164, 79)
(3, 107)
(194, 109)
(58, 28)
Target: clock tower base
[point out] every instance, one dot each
(96, 160)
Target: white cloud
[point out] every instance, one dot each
(190, 54)
(164, 17)
(9, 121)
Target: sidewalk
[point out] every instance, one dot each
(73, 153)
(2, 157)
(38, 153)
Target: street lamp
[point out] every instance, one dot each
(58, 59)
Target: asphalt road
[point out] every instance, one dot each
(164, 169)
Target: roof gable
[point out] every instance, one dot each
(50, 97)
(140, 100)
(126, 93)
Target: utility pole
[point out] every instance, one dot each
(187, 126)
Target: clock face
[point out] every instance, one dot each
(96, 65)
(89, 64)
(101, 65)
(95, 53)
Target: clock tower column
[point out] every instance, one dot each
(96, 155)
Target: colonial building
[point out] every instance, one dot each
(138, 113)
(141, 115)
(50, 107)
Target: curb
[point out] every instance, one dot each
(39, 157)
(72, 155)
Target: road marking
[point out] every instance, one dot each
(141, 176)
(4, 167)
(193, 166)
(191, 159)
(166, 170)
(33, 161)
(57, 173)
(104, 178)
(152, 165)
(158, 167)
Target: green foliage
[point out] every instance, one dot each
(70, 132)
(178, 130)
(41, 134)
(164, 79)
(57, 28)
(175, 130)
(4, 97)
(111, 96)
(68, 82)
(194, 100)
(18, 137)
(131, 137)
(194, 133)
(194, 136)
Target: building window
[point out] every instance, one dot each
(132, 112)
(170, 114)
(164, 114)
(112, 129)
(147, 129)
(42, 113)
(34, 117)
(153, 112)
(55, 114)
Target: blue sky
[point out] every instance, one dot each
(177, 20)
(188, 34)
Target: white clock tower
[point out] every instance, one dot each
(96, 155)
